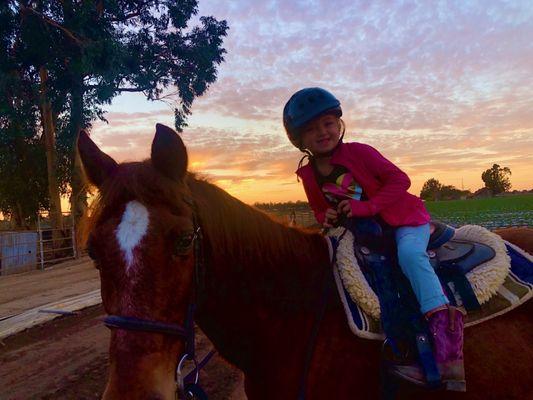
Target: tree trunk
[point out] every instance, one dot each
(17, 217)
(56, 219)
(78, 198)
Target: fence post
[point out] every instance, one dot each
(39, 228)
(73, 235)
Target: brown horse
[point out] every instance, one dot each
(260, 292)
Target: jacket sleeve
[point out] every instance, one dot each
(320, 214)
(394, 182)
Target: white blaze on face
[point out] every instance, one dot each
(132, 229)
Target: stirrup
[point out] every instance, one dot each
(419, 381)
(455, 386)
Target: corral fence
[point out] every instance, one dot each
(52, 240)
(297, 217)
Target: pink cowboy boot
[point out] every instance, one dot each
(446, 328)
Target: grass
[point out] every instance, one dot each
(505, 203)
(516, 210)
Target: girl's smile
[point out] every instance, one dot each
(322, 134)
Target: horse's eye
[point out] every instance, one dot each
(184, 243)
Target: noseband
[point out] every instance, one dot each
(186, 332)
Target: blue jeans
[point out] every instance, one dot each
(412, 244)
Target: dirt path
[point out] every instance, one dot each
(67, 359)
(20, 292)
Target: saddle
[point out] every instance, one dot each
(452, 254)
(499, 284)
(451, 258)
(472, 264)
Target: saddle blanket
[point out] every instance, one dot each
(500, 284)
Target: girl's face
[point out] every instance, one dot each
(321, 134)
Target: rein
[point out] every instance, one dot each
(186, 385)
(321, 310)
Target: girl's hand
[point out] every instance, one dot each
(345, 208)
(356, 208)
(331, 218)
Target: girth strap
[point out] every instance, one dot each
(462, 286)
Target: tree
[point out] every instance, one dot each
(23, 179)
(497, 179)
(95, 50)
(450, 192)
(431, 190)
(24, 78)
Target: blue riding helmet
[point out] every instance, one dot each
(303, 106)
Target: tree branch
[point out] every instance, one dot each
(50, 21)
(126, 17)
(132, 14)
(126, 89)
(141, 89)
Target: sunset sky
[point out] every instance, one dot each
(443, 89)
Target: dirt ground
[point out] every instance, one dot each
(20, 292)
(67, 359)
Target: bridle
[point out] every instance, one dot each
(185, 384)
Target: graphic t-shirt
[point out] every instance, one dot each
(339, 185)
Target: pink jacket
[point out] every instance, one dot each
(384, 184)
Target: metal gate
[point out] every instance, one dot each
(46, 245)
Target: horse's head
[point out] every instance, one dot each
(141, 239)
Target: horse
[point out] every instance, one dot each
(155, 225)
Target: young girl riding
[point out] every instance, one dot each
(353, 180)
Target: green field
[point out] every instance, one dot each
(516, 210)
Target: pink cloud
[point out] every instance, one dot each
(440, 89)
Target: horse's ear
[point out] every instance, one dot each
(98, 165)
(169, 155)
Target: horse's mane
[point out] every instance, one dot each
(243, 232)
(235, 229)
(272, 262)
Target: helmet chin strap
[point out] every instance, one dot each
(312, 156)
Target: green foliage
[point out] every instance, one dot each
(497, 179)
(23, 180)
(93, 51)
(431, 190)
(449, 192)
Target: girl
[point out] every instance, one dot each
(354, 180)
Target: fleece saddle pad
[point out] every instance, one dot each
(500, 284)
